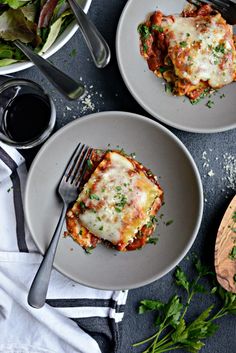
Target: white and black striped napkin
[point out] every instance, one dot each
(75, 318)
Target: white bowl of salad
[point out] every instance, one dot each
(45, 25)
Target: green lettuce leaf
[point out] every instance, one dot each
(53, 33)
(30, 11)
(14, 25)
(55, 30)
(6, 62)
(14, 4)
(9, 54)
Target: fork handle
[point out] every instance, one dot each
(38, 290)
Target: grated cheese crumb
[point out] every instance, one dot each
(211, 173)
(229, 166)
(87, 104)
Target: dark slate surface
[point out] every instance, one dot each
(108, 92)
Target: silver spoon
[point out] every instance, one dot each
(97, 45)
(66, 85)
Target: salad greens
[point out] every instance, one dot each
(37, 23)
(174, 331)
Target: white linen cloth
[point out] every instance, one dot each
(56, 327)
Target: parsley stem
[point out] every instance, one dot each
(222, 312)
(162, 327)
(164, 346)
(190, 296)
(144, 341)
(164, 339)
(167, 349)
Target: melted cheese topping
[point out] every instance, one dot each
(201, 48)
(117, 199)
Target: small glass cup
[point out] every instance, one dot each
(11, 92)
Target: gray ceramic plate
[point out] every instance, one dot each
(159, 150)
(149, 91)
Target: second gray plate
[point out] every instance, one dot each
(149, 91)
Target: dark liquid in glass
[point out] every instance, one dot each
(26, 117)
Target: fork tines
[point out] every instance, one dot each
(76, 167)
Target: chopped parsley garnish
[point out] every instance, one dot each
(89, 250)
(99, 218)
(188, 34)
(90, 164)
(143, 31)
(232, 254)
(149, 224)
(153, 219)
(210, 104)
(73, 53)
(152, 241)
(103, 189)
(80, 232)
(168, 223)
(149, 172)
(222, 96)
(133, 155)
(164, 69)
(204, 94)
(94, 197)
(183, 44)
(118, 209)
(157, 28)
(82, 205)
(118, 188)
(122, 151)
(220, 48)
(145, 47)
(234, 217)
(101, 228)
(168, 87)
(121, 203)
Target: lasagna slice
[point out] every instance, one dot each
(117, 204)
(194, 52)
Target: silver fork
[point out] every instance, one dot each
(226, 7)
(68, 191)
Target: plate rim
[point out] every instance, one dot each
(139, 99)
(94, 116)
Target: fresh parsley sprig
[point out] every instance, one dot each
(174, 331)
